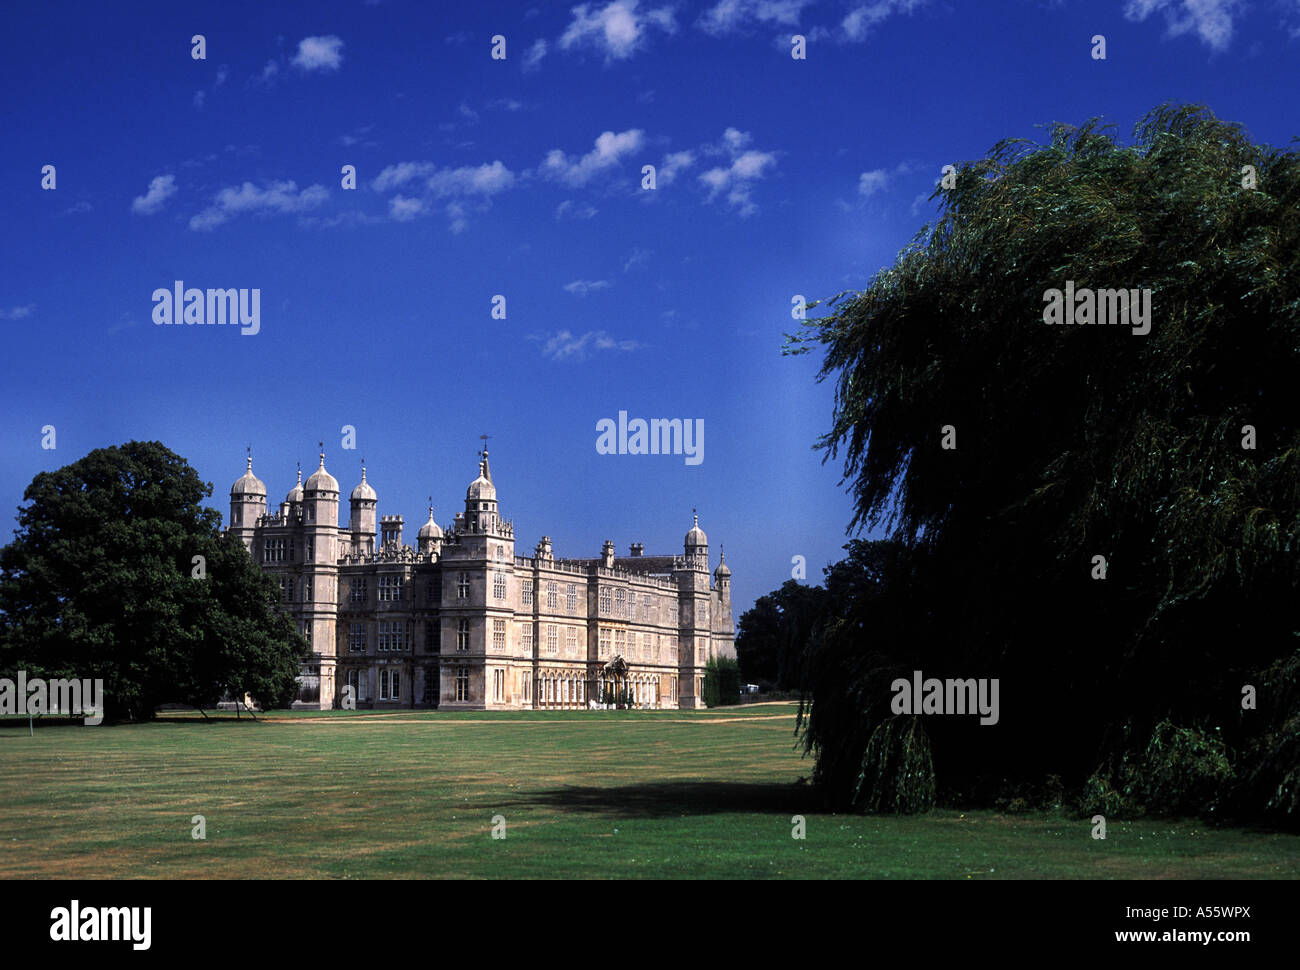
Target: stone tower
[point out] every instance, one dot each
(361, 523)
(320, 501)
(247, 504)
(694, 596)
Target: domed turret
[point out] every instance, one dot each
(321, 480)
(429, 537)
(430, 529)
(697, 549)
(696, 536)
(247, 504)
(363, 504)
(723, 571)
(295, 493)
(363, 492)
(482, 489)
(248, 484)
(481, 500)
(321, 497)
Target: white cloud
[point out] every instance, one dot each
(456, 217)
(672, 164)
(583, 287)
(268, 74)
(533, 56)
(609, 150)
(399, 174)
(161, 189)
(617, 29)
(223, 72)
(482, 180)
(565, 345)
(638, 257)
(733, 16)
(733, 141)
(319, 54)
(278, 197)
(199, 98)
(1210, 20)
(568, 209)
(859, 21)
(18, 312)
(404, 209)
(869, 183)
(428, 184)
(736, 179)
(357, 137)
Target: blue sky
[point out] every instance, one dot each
(522, 177)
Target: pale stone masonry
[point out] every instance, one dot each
(460, 621)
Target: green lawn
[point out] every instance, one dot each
(583, 794)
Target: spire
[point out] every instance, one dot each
(300, 473)
(322, 453)
(430, 508)
(363, 469)
(484, 468)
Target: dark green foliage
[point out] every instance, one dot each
(1182, 772)
(770, 636)
(1072, 442)
(98, 582)
(897, 773)
(1269, 770)
(1099, 797)
(721, 681)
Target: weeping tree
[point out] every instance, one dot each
(1105, 519)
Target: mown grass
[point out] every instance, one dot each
(584, 794)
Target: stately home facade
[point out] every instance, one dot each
(460, 621)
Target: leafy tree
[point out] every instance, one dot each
(721, 681)
(1074, 442)
(99, 582)
(772, 634)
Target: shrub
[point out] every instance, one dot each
(721, 681)
(1184, 771)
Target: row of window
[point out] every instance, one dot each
(395, 636)
(286, 550)
(289, 589)
(623, 604)
(550, 690)
(390, 685)
(618, 603)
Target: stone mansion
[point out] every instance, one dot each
(460, 621)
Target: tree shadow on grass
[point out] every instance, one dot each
(676, 798)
